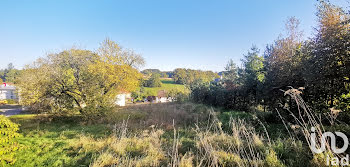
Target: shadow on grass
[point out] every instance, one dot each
(56, 126)
(10, 106)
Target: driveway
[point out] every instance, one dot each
(9, 110)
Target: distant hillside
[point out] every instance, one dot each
(167, 85)
(164, 74)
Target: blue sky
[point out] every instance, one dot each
(196, 34)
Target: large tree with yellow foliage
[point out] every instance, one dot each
(80, 80)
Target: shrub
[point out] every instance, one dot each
(12, 101)
(272, 159)
(8, 132)
(178, 95)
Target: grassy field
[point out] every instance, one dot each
(46, 142)
(171, 134)
(167, 85)
(54, 141)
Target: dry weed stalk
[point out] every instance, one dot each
(242, 147)
(307, 119)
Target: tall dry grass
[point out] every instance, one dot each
(310, 123)
(242, 145)
(159, 114)
(123, 149)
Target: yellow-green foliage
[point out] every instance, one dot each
(8, 131)
(272, 159)
(320, 160)
(186, 160)
(79, 80)
(11, 101)
(227, 158)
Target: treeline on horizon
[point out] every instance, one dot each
(318, 67)
(9, 74)
(183, 76)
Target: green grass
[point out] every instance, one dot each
(48, 143)
(72, 141)
(167, 85)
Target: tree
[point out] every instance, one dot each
(10, 67)
(164, 75)
(120, 56)
(253, 74)
(283, 64)
(12, 75)
(319, 66)
(149, 72)
(2, 75)
(9, 74)
(231, 72)
(180, 76)
(154, 81)
(190, 77)
(328, 61)
(78, 80)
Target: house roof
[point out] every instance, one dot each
(162, 93)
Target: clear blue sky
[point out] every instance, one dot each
(168, 33)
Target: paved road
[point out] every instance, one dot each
(10, 110)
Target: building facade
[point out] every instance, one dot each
(8, 92)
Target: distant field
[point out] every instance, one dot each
(167, 85)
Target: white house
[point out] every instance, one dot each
(162, 97)
(120, 99)
(7, 92)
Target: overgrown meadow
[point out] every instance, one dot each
(173, 134)
(268, 112)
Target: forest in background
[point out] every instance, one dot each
(319, 67)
